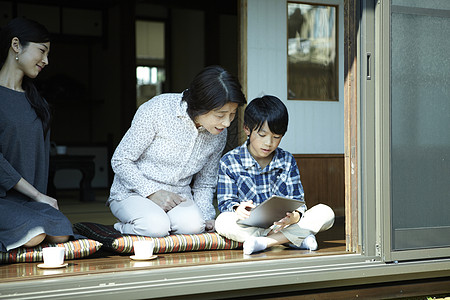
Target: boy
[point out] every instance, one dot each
(251, 173)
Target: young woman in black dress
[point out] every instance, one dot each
(27, 215)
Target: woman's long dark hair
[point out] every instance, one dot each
(27, 31)
(212, 88)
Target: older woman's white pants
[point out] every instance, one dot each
(318, 218)
(141, 216)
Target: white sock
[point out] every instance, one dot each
(254, 244)
(309, 243)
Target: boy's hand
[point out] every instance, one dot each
(166, 200)
(243, 210)
(291, 218)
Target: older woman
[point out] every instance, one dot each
(166, 165)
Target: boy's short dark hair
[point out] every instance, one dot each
(267, 108)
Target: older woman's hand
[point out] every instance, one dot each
(210, 225)
(166, 200)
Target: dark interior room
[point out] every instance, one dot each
(108, 57)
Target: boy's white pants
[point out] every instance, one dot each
(318, 218)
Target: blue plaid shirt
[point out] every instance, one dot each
(241, 178)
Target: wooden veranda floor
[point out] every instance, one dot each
(330, 242)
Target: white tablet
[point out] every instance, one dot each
(271, 210)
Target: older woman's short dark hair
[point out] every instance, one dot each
(212, 88)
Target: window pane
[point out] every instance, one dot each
(312, 52)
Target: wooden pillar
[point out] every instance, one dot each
(351, 23)
(242, 63)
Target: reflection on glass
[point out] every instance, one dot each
(312, 52)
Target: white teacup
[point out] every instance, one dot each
(53, 256)
(143, 249)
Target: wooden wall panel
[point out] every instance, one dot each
(322, 176)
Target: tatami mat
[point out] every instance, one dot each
(77, 211)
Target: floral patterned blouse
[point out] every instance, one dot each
(163, 150)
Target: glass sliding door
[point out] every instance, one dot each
(419, 127)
